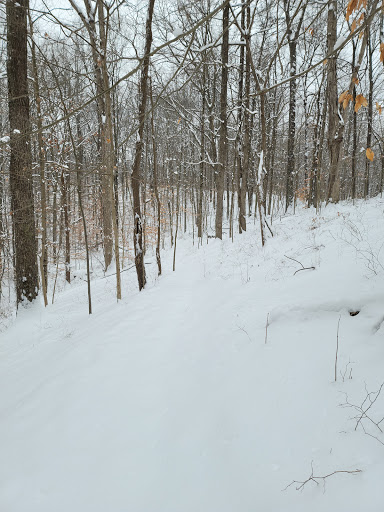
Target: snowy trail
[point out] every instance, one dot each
(171, 400)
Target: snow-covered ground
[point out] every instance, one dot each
(179, 399)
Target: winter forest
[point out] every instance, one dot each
(191, 255)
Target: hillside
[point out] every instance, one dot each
(214, 388)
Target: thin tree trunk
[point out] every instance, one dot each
(106, 147)
(289, 193)
(243, 178)
(177, 223)
(41, 158)
(222, 167)
(65, 199)
(199, 217)
(337, 121)
(138, 223)
(155, 186)
(354, 129)
(109, 153)
(335, 132)
(370, 113)
(292, 44)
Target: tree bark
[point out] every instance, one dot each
(109, 152)
(337, 121)
(23, 214)
(138, 223)
(222, 167)
(155, 186)
(292, 44)
(370, 112)
(106, 147)
(354, 130)
(41, 158)
(243, 178)
(335, 131)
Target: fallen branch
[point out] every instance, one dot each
(305, 268)
(363, 409)
(317, 479)
(266, 329)
(348, 366)
(299, 262)
(337, 347)
(123, 270)
(270, 230)
(244, 331)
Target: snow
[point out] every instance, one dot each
(177, 31)
(238, 42)
(174, 399)
(340, 41)
(261, 168)
(80, 9)
(259, 74)
(206, 47)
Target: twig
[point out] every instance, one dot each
(299, 262)
(293, 259)
(305, 268)
(270, 230)
(313, 478)
(266, 329)
(337, 347)
(124, 270)
(344, 375)
(245, 332)
(363, 410)
(371, 435)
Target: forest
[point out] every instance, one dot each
(191, 278)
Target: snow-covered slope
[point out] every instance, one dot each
(179, 399)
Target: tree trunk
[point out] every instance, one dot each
(106, 147)
(370, 113)
(109, 152)
(335, 132)
(138, 223)
(247, 138)
(354, 130)
(155, 186)
(337, 121)
(20, 170)
(289, 193)
(222, 167)
(199, 216)
(41, 158)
